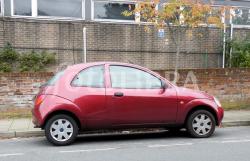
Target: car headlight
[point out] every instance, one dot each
(217, 102)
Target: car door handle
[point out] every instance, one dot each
(118, 94)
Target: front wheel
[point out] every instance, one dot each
(61, 130)
(201, 124)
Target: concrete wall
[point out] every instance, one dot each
(113, 42)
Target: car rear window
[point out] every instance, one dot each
(54, 79)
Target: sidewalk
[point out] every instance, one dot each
(24, 127)
(236, 118)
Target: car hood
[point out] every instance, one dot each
(192, 94)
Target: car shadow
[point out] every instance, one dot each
(111, 137)
(132, 136)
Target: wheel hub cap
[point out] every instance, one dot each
(202, 124)
(61, 130)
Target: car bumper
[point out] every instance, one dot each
(35, 118)
(220, 115)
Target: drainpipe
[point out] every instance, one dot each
(224, 38)
(84, 60)
(224, 46)
(231, 38)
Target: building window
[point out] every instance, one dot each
(108, 10)
(62, 8)
(241, 16)
(217, 11)
(48, 8)
(22, 8)
(1, 8)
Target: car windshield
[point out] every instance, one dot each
(54, 79)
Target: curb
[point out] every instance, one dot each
(235, 123)
(29, 133)
(24, 134)
(7, 134)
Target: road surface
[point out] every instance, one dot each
(227, 144)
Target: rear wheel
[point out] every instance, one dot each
(201, 124)
(61, 130)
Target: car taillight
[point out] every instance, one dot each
(39, 100)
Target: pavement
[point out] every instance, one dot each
(227, 144)
(23, 127)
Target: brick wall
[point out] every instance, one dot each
(229, 85)
(241, 33)
(226, 84)
(18, 89)
(112, 42)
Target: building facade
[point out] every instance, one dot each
(57, 26)
(96, 10)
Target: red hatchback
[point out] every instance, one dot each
(108, 95)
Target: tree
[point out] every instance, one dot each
(179, 16)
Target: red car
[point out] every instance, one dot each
(109, 95)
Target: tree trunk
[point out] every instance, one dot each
(177, 57)
(176, 64)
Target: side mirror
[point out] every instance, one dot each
(164, 84)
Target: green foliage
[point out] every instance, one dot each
(8, 54)
(32, 61)
(5, 67)
(8, 57)
(240, 53)
(35, 61)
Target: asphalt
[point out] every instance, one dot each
(227, 144)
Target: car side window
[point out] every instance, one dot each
(132, 78)
(90, 77)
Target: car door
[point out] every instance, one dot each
(136, 97)
(88, 91)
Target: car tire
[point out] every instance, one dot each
(61, 130)
(201, 124)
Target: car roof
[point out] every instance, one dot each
(84, 65)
